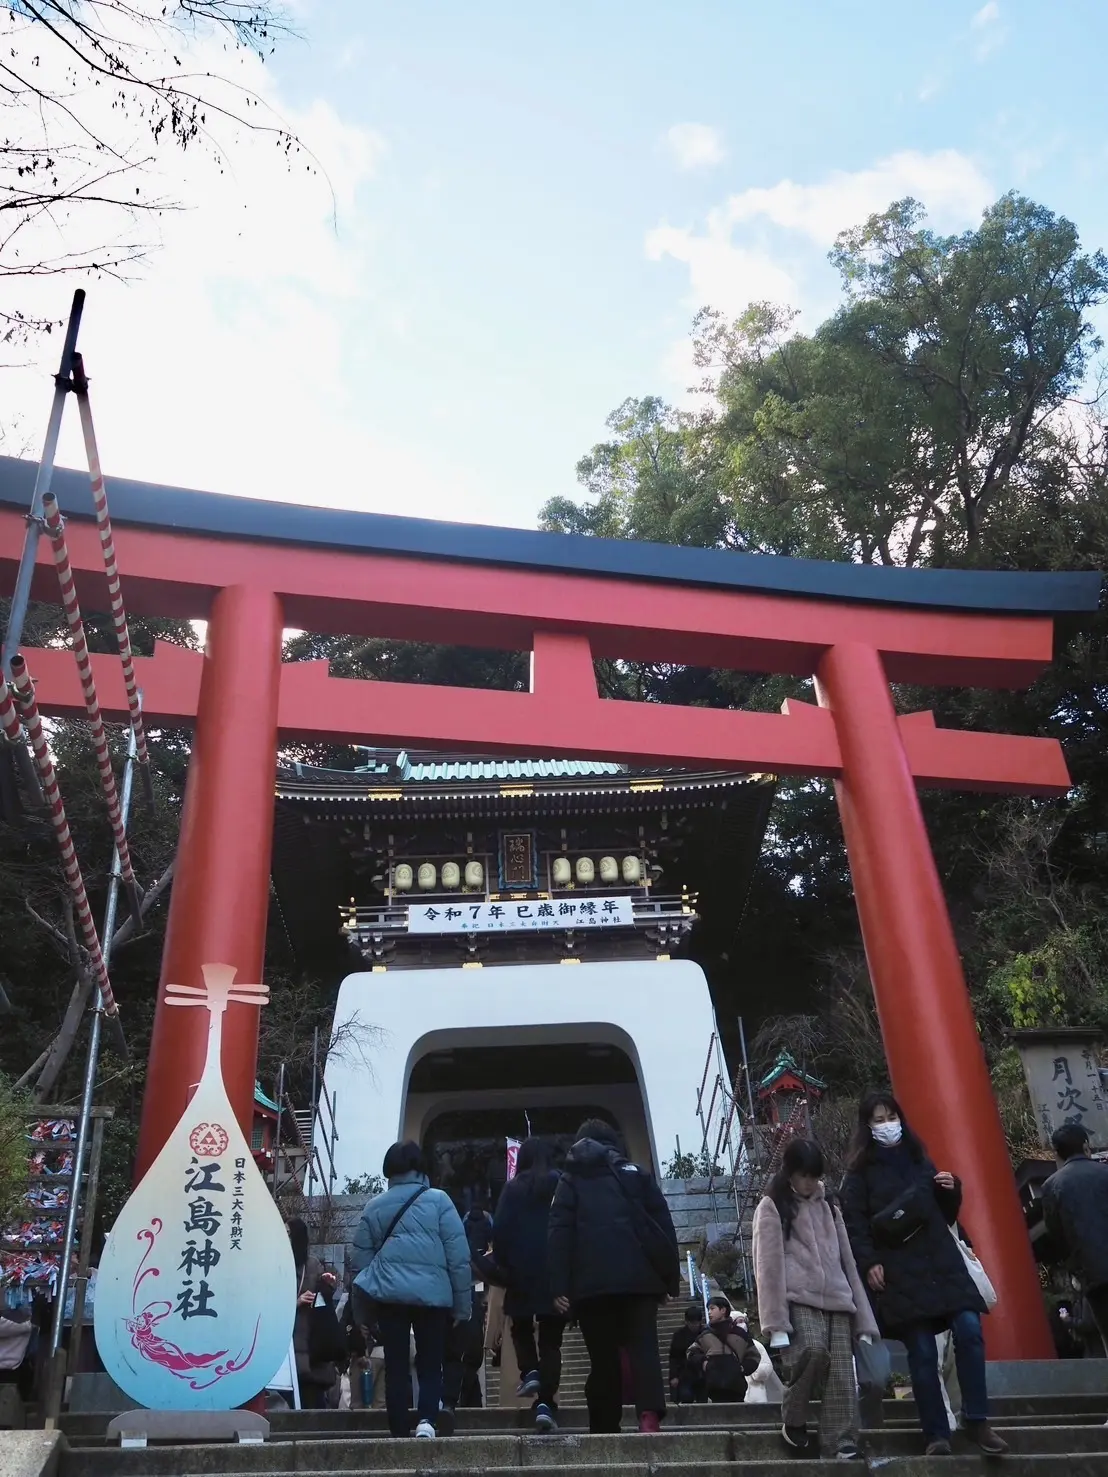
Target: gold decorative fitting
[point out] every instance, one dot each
(663, 958)
(517, 789)
(569, 961)
(472, 964)
(380, 969)
(640, 785)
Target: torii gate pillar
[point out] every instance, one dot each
(935, 1057)
(221, 884)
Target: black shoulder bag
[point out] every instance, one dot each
(901, 1219)
(653, 1240)
(365, 1313)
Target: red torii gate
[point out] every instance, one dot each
(251, 569)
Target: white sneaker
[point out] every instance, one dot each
(425, 1431)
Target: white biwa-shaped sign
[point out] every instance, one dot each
(196, 1294)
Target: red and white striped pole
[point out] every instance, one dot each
(56, 530)
(25, 692)
(111, 569)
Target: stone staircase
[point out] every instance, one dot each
(1060, 1435)
(1049, 1436)
(575, 1359)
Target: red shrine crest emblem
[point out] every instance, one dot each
(209, 1140)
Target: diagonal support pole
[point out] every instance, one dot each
(21, 595)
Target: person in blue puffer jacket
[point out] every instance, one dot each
(411, 1257)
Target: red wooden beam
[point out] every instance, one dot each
(563, 715)
(333, 590)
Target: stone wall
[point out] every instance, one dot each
(696, 1210)
(700, 1211)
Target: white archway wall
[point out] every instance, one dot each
(658, 1011)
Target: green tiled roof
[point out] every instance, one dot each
(261, 1099)
(787, 1063)
(435, 772)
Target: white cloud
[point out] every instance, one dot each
(720, 272)
(948, 182)
(990, 30)
(225, 363)
(770, 243)
(695, 145)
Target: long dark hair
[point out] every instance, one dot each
(535, 1168)
(863, 1146)
(801, 1156)
(298, 1238)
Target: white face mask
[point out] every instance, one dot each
(887, 1133)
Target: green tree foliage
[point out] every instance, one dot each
(13, 1151)
(935, 419)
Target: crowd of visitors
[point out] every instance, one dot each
(837, 1272)
(433, 1281)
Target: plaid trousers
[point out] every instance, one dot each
(826, 1373)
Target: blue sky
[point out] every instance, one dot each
(531, 204)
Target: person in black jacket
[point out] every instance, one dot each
(686, 1383)
(520, 1250)
(464, 1351)
(913, 1267)
(1075, 1211)
(613, 1257)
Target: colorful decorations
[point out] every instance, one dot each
(197, 1292)
(30, 1247)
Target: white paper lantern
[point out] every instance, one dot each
(586, 871)
(451, 874)
(632, 869)
(427, 876)
(562, 872)
(609, 869)
(402, 878)
(475, 874)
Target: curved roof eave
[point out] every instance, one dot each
(177, 509)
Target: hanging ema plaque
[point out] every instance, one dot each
(196, 1293)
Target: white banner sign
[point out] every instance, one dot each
(463, 917)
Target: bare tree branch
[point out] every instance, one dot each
(126, 932)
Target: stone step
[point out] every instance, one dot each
(1048, 1410)
(956, 1466)
(1077, 1450)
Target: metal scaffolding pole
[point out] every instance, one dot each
(88, 1091)
(63, 383)
(25, 692)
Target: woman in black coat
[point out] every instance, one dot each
(519, 1250)
(899, 1211)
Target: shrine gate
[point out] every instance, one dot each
(252, 569)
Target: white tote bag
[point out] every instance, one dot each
(976, 1271)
